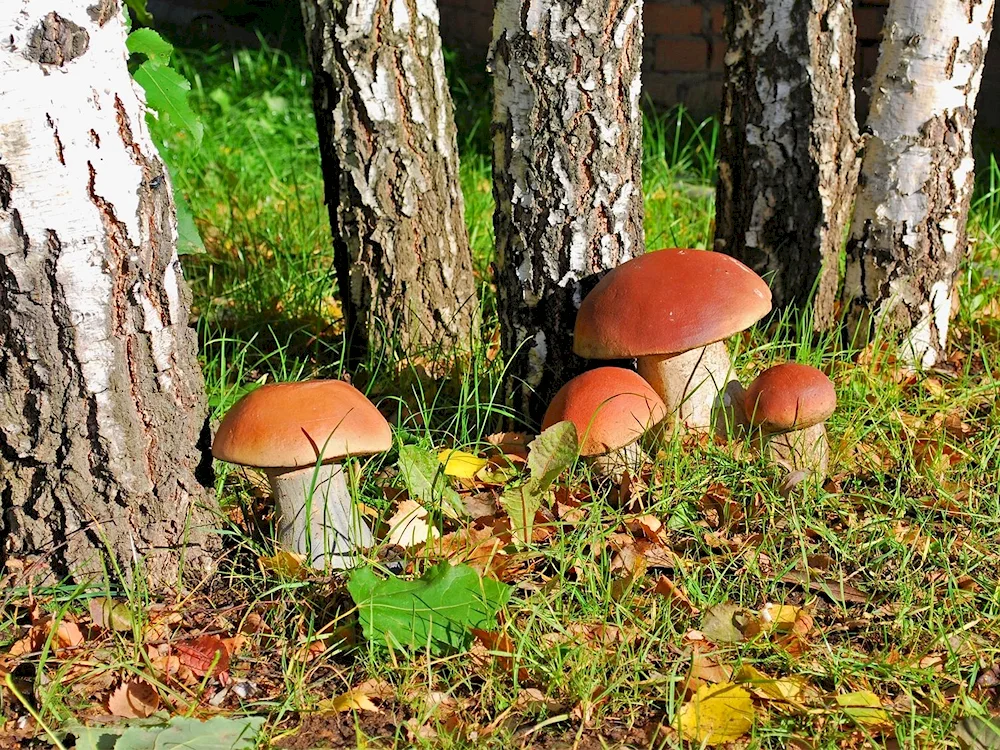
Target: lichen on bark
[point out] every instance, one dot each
(567, 153)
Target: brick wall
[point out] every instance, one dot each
(684, 49)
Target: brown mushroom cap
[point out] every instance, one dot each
(790, 396)
(287, 425)
(610, 406)
(667, 302)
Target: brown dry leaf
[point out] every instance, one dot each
(648, 526)
(839, 591)
(204, 655)
(110, 615)
(779, 618)
(353, 700)
(533, 701)
(495, 648)
(67, 635)
(135, 699)
(716, 714)
(513, 444)
(408, 527)
(718, 507)
(675, 595)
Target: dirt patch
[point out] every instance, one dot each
(342, 731)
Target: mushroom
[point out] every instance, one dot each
(298, 433)
(612, 408)
(789, 403)
(671, 309)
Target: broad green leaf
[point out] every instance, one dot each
(221, 97)
(426, 481)
(139, 10)
(188, 237)
(110, 615)
(167, 93)
(521, 504)
(864, 707)
(217, 733)
(147, 42)
(433, 611)
(461, 464)
(716, 714)
(551, 453)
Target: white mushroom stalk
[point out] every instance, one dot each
(316, 516)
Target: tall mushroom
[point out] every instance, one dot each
(671, 309)
(612, 408)
(298, 433)
(789, 404)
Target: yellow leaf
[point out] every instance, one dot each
(284, 563)
(409, 527)
(352, 700)
(788, 689)
(461, 464)
(716, 714)
(864, 707)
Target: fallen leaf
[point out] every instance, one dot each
(787, 689)
(135, 699)
(839, 591)
(511, 443)
(204, 655)
(353, 700)
(974, 733)
(864, 707)
(719, 625)
(286, 564)
(674, 594)
(109, 614)
(461, 464)
(408, 527)
(716, 714)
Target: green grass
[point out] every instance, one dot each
(899, 521)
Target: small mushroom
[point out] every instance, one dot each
(298, 433)
(612, 408)
(671, 309)
(789, 404)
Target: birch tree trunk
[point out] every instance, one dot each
(567, 159)
(789, 148)
(908, 233)
(390, 163)
(103, 433)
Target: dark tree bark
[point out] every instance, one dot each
(103, 433)
(390, 162)
(908, 234)
(789, 147)
(567, 159)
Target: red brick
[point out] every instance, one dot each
(718, 19)
(869, 22)
(688, 54)
(702, 96)
(661, 88)
(717, 61)
(660, 18)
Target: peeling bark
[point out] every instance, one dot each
(103, 431)
(789, 147)
(390, 163)
(567, 158)
(908, 233)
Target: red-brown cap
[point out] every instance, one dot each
(668, 302)
(790, 396)
(286, 425)
(610, 406)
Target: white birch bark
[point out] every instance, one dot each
(102, 411)
(908, 233)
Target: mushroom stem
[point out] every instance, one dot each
(689, 383)
(614, 463)
(316, 516)
(805, 449)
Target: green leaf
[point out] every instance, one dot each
(521, 504)
(435, 610)
(551, 453)
(426, 481)
(188, 237)
(139, 10)
(167, 93)
(217, 733)
(147, 42)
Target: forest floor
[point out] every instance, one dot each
(858, 611)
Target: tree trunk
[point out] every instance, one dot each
(567, 158)
(390, 163)
(908, 234)
(789, 147)
(103, 432)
